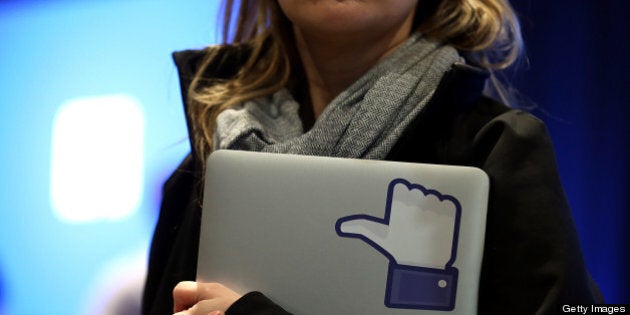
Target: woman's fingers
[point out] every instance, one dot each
(185, 295)
(195, 298)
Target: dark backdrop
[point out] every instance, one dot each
(577, 76)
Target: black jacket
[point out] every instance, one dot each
(532, 261)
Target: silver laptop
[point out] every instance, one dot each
(343, 236)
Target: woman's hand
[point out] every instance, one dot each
(195, 298)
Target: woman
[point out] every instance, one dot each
(380, 79)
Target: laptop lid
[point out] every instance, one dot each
(344, 236)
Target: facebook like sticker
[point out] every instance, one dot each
(418, 234)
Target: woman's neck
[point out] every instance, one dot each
(332, 63)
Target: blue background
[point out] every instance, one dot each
(578, 76)
(52, 51)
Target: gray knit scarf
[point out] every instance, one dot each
(364, 121)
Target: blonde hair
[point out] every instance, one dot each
(486, 32)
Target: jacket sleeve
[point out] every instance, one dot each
(255, 303)
(532, 261)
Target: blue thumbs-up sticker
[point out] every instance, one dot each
(418, 234)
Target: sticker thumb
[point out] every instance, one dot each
(365, 228)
